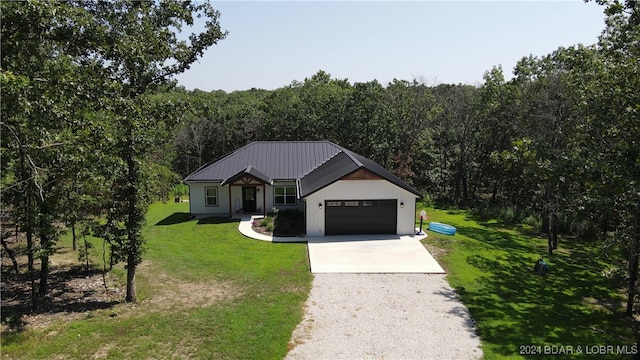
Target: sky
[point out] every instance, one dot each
(271, 44)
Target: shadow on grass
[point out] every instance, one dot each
(175, 218)
(515, 307)
(182, 217)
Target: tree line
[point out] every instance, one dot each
(94, 131)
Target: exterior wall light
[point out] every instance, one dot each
(402, 204)
(320, 206)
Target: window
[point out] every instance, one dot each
(211, 196)
(351, 203)
(334, 203)
(284, 195)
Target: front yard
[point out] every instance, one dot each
(205, 291)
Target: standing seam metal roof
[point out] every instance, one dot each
(312, 164)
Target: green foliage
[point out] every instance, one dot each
(180, 190)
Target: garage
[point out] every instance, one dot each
(361, 216)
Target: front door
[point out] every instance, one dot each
(249, 199)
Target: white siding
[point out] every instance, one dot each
(197, 199)
(236, 198)
(361, 190)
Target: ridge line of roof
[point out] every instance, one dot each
(331, 143)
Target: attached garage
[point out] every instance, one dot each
(360, 217)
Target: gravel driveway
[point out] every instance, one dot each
(384, 316)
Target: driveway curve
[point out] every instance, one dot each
(384, 316)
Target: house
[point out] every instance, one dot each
(339, 191)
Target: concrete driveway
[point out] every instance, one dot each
(370, 254)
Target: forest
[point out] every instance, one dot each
(94, 129)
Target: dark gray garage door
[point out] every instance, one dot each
(360, 217)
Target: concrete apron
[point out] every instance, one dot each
(370, 254)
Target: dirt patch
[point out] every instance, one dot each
(170, 292)
(75, 294)
(437, 252)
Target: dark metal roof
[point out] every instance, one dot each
(276, 160)
(313, 164)
(327, 173)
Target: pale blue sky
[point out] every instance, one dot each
(270, 44)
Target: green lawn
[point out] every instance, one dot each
(490, 266)
(207, 292)
(204, 290)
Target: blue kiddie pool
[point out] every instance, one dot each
(442, 228)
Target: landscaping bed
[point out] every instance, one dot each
(287, 223)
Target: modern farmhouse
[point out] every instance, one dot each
(339, 191)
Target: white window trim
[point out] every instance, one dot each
(206, 197)
(295, 198)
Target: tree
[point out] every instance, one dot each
(80, 57)
(458, 123)
(132, 30)
(411, 109)
(611, 106)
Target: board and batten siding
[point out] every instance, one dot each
(197, 204)
(361, 190)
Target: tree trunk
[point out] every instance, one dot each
(544, 229)
(11, 256)
(44, 276)
(45, 244)
(633, 262)
(465, 189)
(28, 219)
(30, 268)
(494, 192)
(73, 235)
(550, 232)
(554, 231)
(131, 279)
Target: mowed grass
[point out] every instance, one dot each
(518, 313)
(204, 291)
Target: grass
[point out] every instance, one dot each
(207, 292)
(204, 291)
(490, 266)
